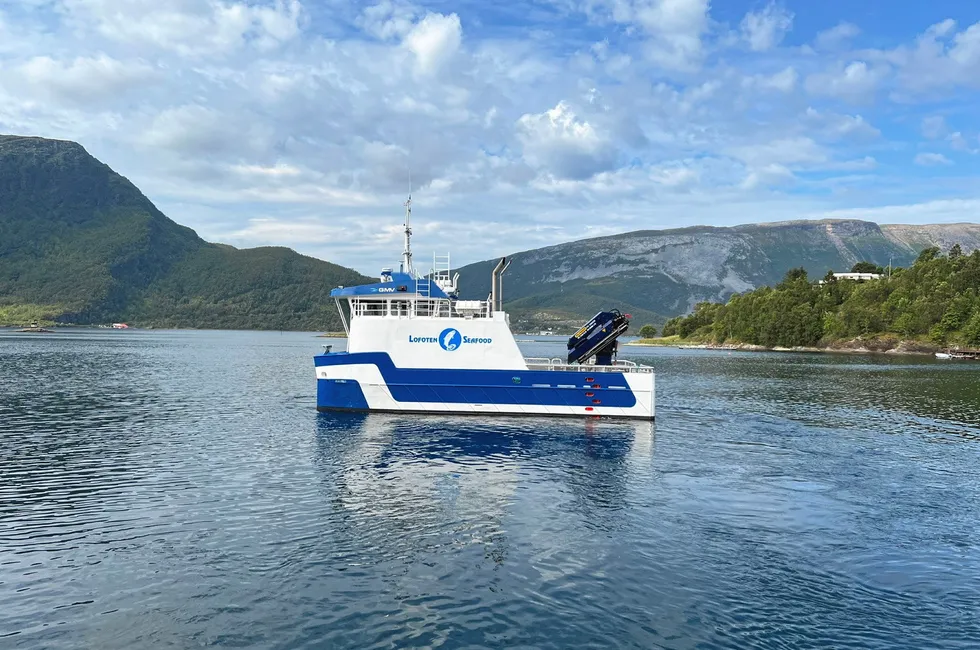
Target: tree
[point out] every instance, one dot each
(799, 273)
(927, 255)
(671, 326)
(867, 267)
(648, 332)
(971, 332)
(955, 252)
(938, 297)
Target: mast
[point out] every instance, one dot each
(407, 255)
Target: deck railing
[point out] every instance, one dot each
(411, 306)
(620, 365)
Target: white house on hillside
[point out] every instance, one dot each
(859, 277)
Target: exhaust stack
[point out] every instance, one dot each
(497, 271)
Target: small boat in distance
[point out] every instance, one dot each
(959, 354)
(120, 326)
(35, 328)
(413, 346)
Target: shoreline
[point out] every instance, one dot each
(856, 346)
(64, 328)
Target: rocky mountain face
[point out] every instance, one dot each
(657, 274)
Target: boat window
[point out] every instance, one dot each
(399, 308)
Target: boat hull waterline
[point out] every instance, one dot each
(371, 382)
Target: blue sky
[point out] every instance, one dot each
(524, 123)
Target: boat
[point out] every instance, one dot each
(414, 347)
(959, 354)
(35, 328)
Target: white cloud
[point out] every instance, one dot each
(765, 29)
(784, 81)
(196, 131)
(83, 79)
(783, 151)
(266, 121)
(560, 144)
(835, 126)
(939, 211)
(280, 169)
(768, 176)
(434, 41)
(942, 58)
(679, 176)
(856, 82)
(671, 29)
(959, 143)
(772, 163)
(932, 159)
(6, 35)
(387, 19)
(189, 27)
(836, 36)
(860, 164)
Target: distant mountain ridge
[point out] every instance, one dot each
(79, 243)
(656, 274)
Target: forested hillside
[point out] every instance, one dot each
(81, 244)
(936, 299)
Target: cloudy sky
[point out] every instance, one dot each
(522, 122)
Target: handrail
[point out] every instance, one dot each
(419, 306)
(621, 365)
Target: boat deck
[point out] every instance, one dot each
(620, 365)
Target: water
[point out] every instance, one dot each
(178, 489)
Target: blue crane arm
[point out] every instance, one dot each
(598, 337)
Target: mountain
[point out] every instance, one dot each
(656, 274)
(79, 243)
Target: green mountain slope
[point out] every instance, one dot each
(664, 273)
(933, 302)
(80, 243)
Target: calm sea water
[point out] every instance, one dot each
(178, 489)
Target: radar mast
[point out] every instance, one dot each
(407, 255)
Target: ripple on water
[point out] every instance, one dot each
(177, 488)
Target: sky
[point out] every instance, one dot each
(517, 124)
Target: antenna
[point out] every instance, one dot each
(407, 255)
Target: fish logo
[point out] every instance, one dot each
(450, 339)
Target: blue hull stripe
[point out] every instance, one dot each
(458, 386)
(340, 394)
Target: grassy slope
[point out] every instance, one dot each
(223, 287)
(80, 243)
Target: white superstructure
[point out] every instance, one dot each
(413, 346)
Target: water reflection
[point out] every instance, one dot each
(463, 477)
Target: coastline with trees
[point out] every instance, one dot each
(931, 305)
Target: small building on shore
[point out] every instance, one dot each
(857, 277)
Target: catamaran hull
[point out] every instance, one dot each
(371, 382)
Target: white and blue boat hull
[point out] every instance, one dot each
(371, 381)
